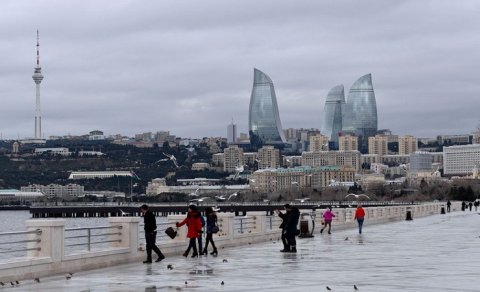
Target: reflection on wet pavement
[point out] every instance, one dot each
(437, 253)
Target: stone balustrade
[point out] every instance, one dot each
(46, 253)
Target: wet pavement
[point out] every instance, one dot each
(436, 253)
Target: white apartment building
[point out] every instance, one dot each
(98, 174)
(460, 160)
(52, 190)
(337, 158)
(157, 186)
(55, 151)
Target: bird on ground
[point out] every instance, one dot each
(1, 283)
(170, 267)
(346, 238)
(302, 200)
(37, 280)
(186, 282)
(225, 261)
(357, 196)
(172, 158)
(222, 283)
(328, 288)
(16, 282)
(68, 276)
(11, 283)
(355, 287)
(232, 195)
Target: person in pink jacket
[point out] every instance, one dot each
(327, 219)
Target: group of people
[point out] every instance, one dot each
(469, 205)
(195, 225)
(328, 217)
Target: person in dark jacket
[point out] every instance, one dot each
(211, 224)
(291, 226)
(448, 205)
(284, 217)
(150, 234)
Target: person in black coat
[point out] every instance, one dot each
(150, 234)
(284, 217)
(291, 226)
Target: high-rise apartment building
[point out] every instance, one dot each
(318, 143)
(360, 115)
(232, 158)
(232, 133)
(268, 157)
(378, 145)
(264, 119)
(407, 145)
(461, 160)
(347, 143)
(333, 114)
(421, 161)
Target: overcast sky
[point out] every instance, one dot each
(187, 66)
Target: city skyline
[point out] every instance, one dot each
(173, 69)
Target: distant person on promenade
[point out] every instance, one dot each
(194, 225)
(283, 225)
(463, 206)
(476, 204)
(291, 227)
(470, 205)
(200, 235)
(359, 216)
(150, 234)
(212, 228)
(448, 205)
(327, 219)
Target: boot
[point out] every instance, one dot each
(194, 255)
(285, 249)
(214, 252)
(321, 231)
(205, 251)
(185, 254)
(294, 249)
(148, 261)
(160, 257)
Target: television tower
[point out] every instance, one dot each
(38, 77)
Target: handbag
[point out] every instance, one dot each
(215, 229)
(171, 232)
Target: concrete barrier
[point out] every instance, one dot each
(46, 255)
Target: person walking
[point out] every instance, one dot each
(284, 217)
(150, 227)
(212, 227)
(194, 225)
(448, 205)
(327, 220)
(291, 227)
(359, 216)
(463, 205)
(476, 204)
(470, 205)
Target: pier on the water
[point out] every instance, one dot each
(434, 252)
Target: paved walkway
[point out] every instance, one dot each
(437, 253)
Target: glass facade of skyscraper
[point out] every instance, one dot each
(333, 114)
(360, 117)
(264, 119)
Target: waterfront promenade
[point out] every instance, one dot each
(434, 253)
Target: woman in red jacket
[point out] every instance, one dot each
(194, 225)
(360, 216)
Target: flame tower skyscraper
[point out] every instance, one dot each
(38, 77)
